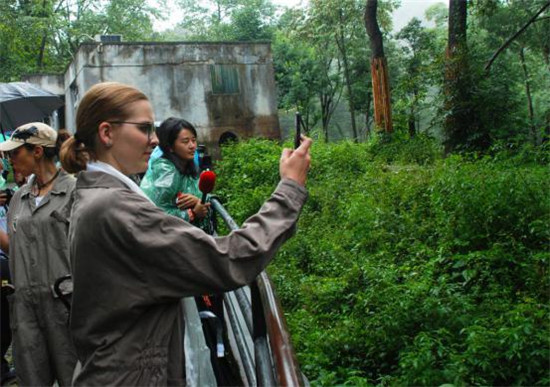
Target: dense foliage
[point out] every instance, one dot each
(42, 36)
(409, 269)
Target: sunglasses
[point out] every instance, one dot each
(146, 127)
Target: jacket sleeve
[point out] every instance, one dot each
(177, 259)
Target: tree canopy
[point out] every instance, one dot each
(321, 58)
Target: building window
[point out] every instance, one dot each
(225, 79)
(74, 94)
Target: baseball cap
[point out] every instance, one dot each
(35, 133)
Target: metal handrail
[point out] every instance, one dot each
(273, 348)
(286, 365)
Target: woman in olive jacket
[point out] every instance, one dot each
(39, 255)
(132, 263)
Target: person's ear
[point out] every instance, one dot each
(38, 152)
(105, 133)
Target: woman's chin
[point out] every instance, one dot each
(144, 166)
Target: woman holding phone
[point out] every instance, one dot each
(132, 262)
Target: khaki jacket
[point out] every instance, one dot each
(38, 235)
(39, 255)
(132, 263)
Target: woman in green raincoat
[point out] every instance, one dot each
(171, 181)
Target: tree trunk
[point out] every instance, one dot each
(329, 101)
(412, 114)
(381, 95)
(458, 10)
(367, 117)
(342, 47)
(412, 123)
(546, 136)
(460, 123)
(546, 55)
(40, 60)
(326, 106)
(533, 131)
(379, 70)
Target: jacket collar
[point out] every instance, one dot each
(62, 184)
(97, 179)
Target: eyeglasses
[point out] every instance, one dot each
(146, 127)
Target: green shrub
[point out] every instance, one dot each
(408, 269)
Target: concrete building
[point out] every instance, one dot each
(227, 90)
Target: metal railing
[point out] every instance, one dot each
(275, 360)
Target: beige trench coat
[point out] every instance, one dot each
(132, 263)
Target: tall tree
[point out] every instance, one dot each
(339, 21)
(42, 36)
(461, 127)
(232, 20)
(379, 70)
(326, 66)
(296, 73)
(420, 48)
(530, 38)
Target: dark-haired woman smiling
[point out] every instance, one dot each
(171, 181)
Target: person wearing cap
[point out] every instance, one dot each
(38, 256)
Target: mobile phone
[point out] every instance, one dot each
(298, 123)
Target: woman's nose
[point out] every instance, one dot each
(153, 140)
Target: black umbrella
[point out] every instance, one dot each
(22, 102)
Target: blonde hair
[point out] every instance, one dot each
(103, 102)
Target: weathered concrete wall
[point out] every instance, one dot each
(177, 79)
(54, 83)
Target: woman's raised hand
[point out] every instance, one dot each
(294, 164)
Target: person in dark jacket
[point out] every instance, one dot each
(132, 263)
(5, 331)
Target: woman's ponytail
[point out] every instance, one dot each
(74, 156)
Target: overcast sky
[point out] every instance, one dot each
(408, 10)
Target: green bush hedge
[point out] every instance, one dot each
(409, 269)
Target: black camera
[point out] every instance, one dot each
(205, 161)
(9, 194)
